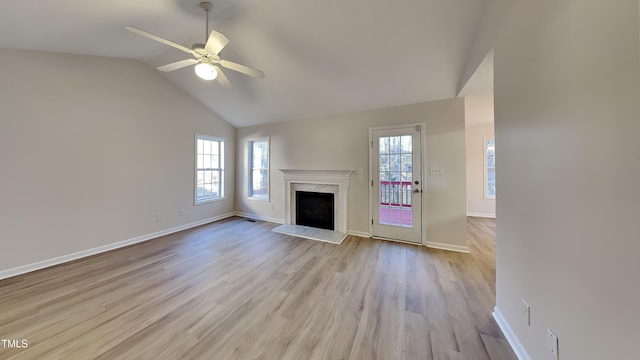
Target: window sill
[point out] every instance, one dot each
(202, 202)
(259, 198)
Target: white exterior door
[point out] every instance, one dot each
(396, 183)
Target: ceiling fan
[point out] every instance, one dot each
(206, 56)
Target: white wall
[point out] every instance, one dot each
(91, 149)
(342, 143)
(567, 110)
(478, 127)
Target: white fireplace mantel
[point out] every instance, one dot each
(296, 179)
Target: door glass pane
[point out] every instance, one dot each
(395, 145)
(395, 181)
(406, 144)
(384, 163)
(395, 162)
(407, 163)
(384, 145)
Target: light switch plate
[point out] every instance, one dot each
(526, 312)
(552, 344)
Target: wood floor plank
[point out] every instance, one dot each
(236, 290)
(497, 348)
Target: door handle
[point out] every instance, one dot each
(417, 190)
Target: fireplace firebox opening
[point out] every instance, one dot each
(315, 209)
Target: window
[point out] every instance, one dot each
(209, 168)
(489, 169)
(259, 169)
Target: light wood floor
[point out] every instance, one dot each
(235, 290)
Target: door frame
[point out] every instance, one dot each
(423, 194)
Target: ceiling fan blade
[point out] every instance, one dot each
(135, 30)
(177, 65)
(241, 68)
(222, 78)
(216, 42)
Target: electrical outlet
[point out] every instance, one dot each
(526, 312)
(159, 217)
(181, 212)
(552, 344)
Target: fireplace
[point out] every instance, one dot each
(333, 183)
(315, 209)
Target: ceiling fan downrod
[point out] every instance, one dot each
(206, 6)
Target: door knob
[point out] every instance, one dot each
(416, 190)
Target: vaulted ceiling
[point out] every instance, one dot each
(321, 58)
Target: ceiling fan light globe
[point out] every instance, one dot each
(206, 71)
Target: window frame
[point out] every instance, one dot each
(486, 167)
(250, 169)
(220, 169)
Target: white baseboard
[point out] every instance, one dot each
(258, 217)
(511, 337)
(363, 234)
(450, 247)
(482, 215)
(100, 249)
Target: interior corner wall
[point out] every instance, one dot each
(91, 150)
(342, 143)
(478, 128)
(567, 110)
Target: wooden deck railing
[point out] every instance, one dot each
(395, 193)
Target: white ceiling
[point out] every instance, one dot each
(321, 58)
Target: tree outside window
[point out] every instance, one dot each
(489, 169)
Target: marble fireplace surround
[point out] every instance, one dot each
(323, 181)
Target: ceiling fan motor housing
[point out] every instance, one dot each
(199, 48)
(205, 5)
